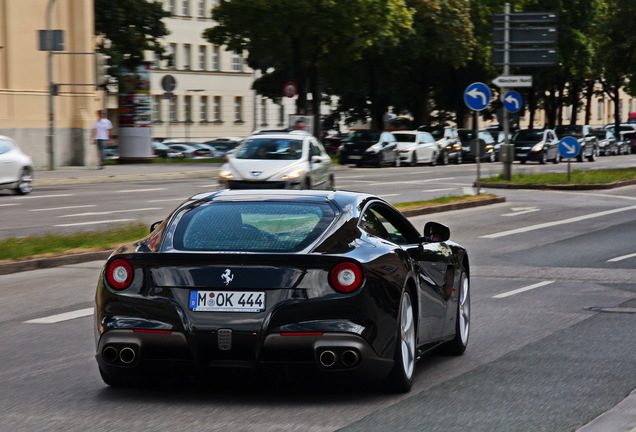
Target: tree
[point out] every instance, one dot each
(296, 36)
(128, 28)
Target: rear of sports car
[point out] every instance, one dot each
(243, 298)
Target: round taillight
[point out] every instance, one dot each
(119, 274)
(346, 277)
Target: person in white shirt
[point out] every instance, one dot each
(102, 134)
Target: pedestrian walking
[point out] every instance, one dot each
(102, 134)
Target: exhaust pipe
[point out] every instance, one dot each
(127, 355)
(327, 358)
(350, 358)
(109, 354)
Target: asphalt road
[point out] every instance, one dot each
(551, 348)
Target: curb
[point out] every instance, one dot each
(556, 186)
(43, 263)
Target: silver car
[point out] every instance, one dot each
(16, 168)
(278, 160)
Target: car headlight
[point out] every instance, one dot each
(537, 147)
(226, 175)
(374, 148)
(292, 174)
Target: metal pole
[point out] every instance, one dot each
(478, 149)
(51, 104)
(507, 151)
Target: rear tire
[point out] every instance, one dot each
(400, 379)
(414, 159)
(25, 184)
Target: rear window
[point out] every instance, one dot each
(528, 135)
(252, 226)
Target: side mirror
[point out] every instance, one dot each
(436, 232)
(155, 225)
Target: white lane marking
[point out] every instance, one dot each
(168, 199)
(520, 290)
(438, 190)
(555, 223)
(94, 222)
(516, 211)
(44, 196)
(62, 317)
(8, 205)
(389, 195)
(212, 186)
(111, 212)
(141, 190)
(621, 258)
(429, 180)
(64, 208)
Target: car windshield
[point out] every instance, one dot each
(364, 136)
(270, 148)
(252, 226)
(563, 131)
(599, 133)
(402, 137)
(528, 135)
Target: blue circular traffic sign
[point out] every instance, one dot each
(569, 147)
(477, 96)
(512, 101)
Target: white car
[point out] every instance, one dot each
(16, 168)
(278, 160)
(416, 147)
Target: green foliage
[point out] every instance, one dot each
(129, 28)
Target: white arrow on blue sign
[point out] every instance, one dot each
(512, 101)
(477, 96)
(569, 147)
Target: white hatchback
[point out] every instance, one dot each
(416, 147)
(278, 160)
(16, 168)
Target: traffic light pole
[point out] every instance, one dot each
(52, 89)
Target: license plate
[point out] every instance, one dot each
(355, 157)
(227, 301)
(522, 154)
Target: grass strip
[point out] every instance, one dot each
(39, 246)
(595, 176)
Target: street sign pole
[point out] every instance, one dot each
(506, 150)
(477, 97)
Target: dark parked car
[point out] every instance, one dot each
(369, 147)
(540, 145)
(165, 151)
(469, 145)
(607, 144)
(332, 142)
(321, 283)
(192, 150)
(583, 134)
(224, 145)
(450, 148)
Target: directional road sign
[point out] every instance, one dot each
(513, 81)
(569, 147)
(512, 101)
(477, 96)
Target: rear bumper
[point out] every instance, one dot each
(126, 350)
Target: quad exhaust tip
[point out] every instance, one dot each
(348, 358)
(126, 355)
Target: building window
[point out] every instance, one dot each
(203, 109)
(172, 53)
(237, 62)
(201, 8)
(187, 108)
(172, 7)
(217, 109)
(173, 109)
(203, 57)
(185, 7)
(599, 109)
(238, 109)
(187, 55)
(216, 58)
(156, 108)
(263, 111)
